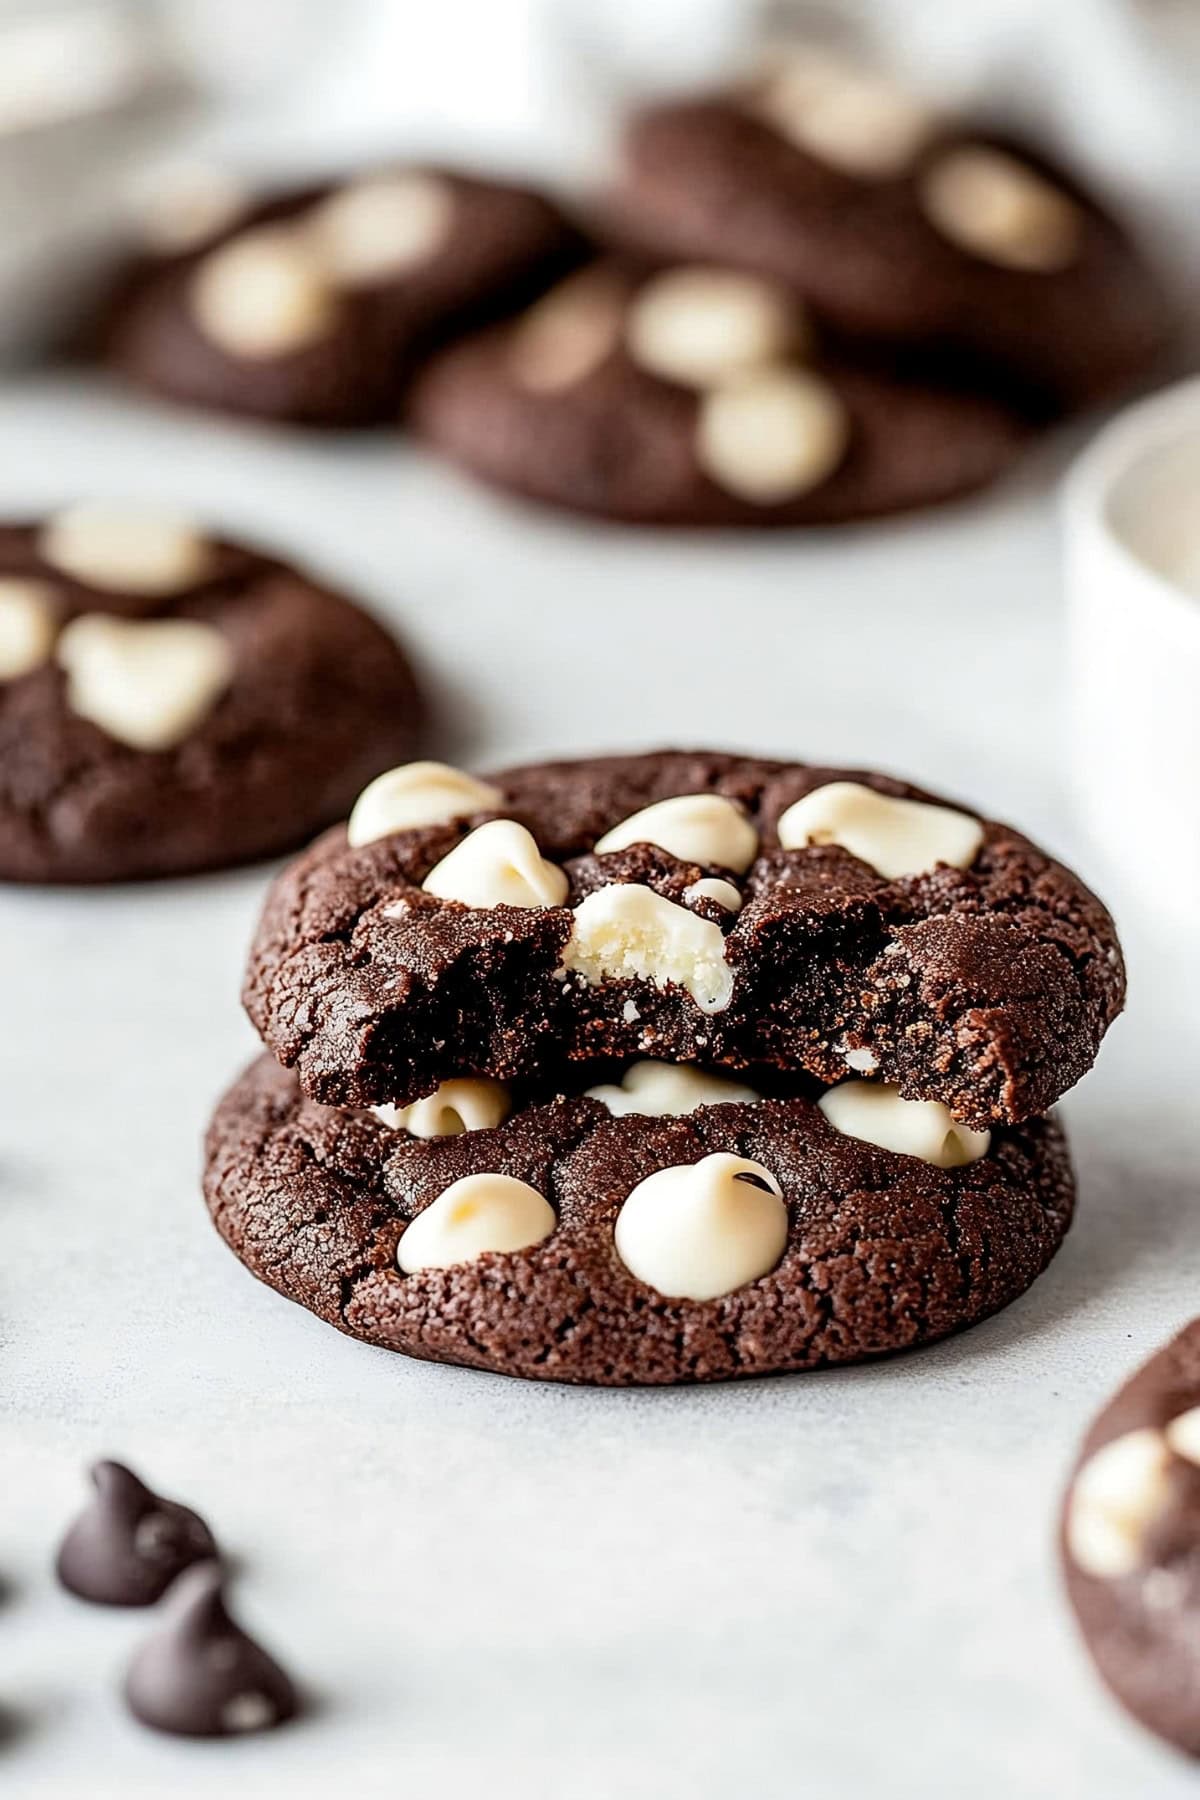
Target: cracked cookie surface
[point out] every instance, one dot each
(310, 698)
(883, 1252)
(1130, 1542)
(987, 987)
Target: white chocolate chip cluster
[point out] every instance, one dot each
(696, 1232)
(985, 201)
(1121, 1490)
(768, 429)
(147, 683)
(276, 289)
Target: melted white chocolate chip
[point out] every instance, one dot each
(661, 1090)
(875, 1113)
(478, 1214)
(1183, 1434)
(146, 682)
(498, 864)
(264, 294)
(723, 893)
(28, 622)
(850, 117)
(703, 1229)
(381, 226)
(772, 434)
(126, 549)
(469, 1103)
(697, 828)
(416, 794)
(568, 333)
(1117, 1495)
(626, 932)
(698, 326)
(999, 209)
(896, 837)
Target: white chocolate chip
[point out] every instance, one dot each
(186, 207)
(874, 1113)
(27, 625)
(771, 434)
(472, 1216)
(660, 1090)
(416, 794)
(381, 226)
(712, 888)
(126, 549)
(264, 294)
(629, 933)
(146, 682)
(697, 828)
(499, 864)
(852, 118)
(698, 326)
(1116, 1497)
(702, 1230)
(861, 1060)
(1183, 1434)
(568, 333)
(997, 208)
(470, 1103)
(896, 837)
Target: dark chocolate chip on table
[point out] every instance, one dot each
(201, 1675)
(129, 1544)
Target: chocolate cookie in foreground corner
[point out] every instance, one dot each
(690, 906)
(899, 225)
(1130, 1543)
(666, 1225)
(698, 395)
(314, 307)
(172, 702)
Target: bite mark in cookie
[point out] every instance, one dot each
(985, 987)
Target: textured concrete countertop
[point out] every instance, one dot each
(829, 1585)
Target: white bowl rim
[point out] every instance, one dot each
(1116, 450)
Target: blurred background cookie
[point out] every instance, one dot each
(172, 702)
(698, 394)
(1131, 1542)
(902, 226)
(313, 306)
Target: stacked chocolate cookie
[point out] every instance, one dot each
(660, 1068)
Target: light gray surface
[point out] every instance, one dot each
(833, 1585)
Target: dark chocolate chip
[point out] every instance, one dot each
(129, 1544)
(201, 1676)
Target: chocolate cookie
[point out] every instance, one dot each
(900, 227)
(697, 395)
(314, 306)
(693, 906)
(172, 702)
(1131, 1542)
(705, 1234)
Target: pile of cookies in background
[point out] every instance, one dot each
(804, 299)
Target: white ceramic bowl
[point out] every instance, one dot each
(1132, 518)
